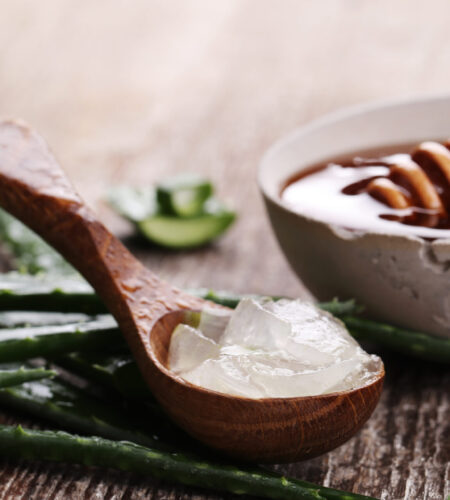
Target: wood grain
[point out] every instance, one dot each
(132, 93)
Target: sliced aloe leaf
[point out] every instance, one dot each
(183, 195)
(177, 233)
(181, 214)
(133, 203)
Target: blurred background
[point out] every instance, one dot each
(132, 92)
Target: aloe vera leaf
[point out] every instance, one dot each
(19, 443)
(20, 375)
(101, 335)
(183, 195)
(30, 253)
(74, 409)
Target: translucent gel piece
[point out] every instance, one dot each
(288, 348)
(213, 323)
(226, 375)
(189, 348)
(254, 326)
(289, 381)
(317, 336)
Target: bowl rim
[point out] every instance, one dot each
(330, 118)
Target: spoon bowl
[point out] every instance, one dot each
(35, 190)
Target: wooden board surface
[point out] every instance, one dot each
(134, 91)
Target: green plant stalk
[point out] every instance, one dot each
(117, 372)
(19, 443)
(39, 293)
(22, 319)
(25, 292)
(129, 382)
(77, 409)
(340, 308)
(230, 299)
(20, 344)
(398, 339)
(54, 301)
(73, 409)
(224, 298)
(30, 253)
(94, 367)
(20, 375)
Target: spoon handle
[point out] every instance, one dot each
(34, 188)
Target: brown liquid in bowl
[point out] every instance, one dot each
(411, 184)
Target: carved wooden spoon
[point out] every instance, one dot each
(34, 188)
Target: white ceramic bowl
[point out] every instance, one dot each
(404, 280)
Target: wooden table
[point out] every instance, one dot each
(134, 91)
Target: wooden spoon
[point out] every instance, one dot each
(34, 188)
